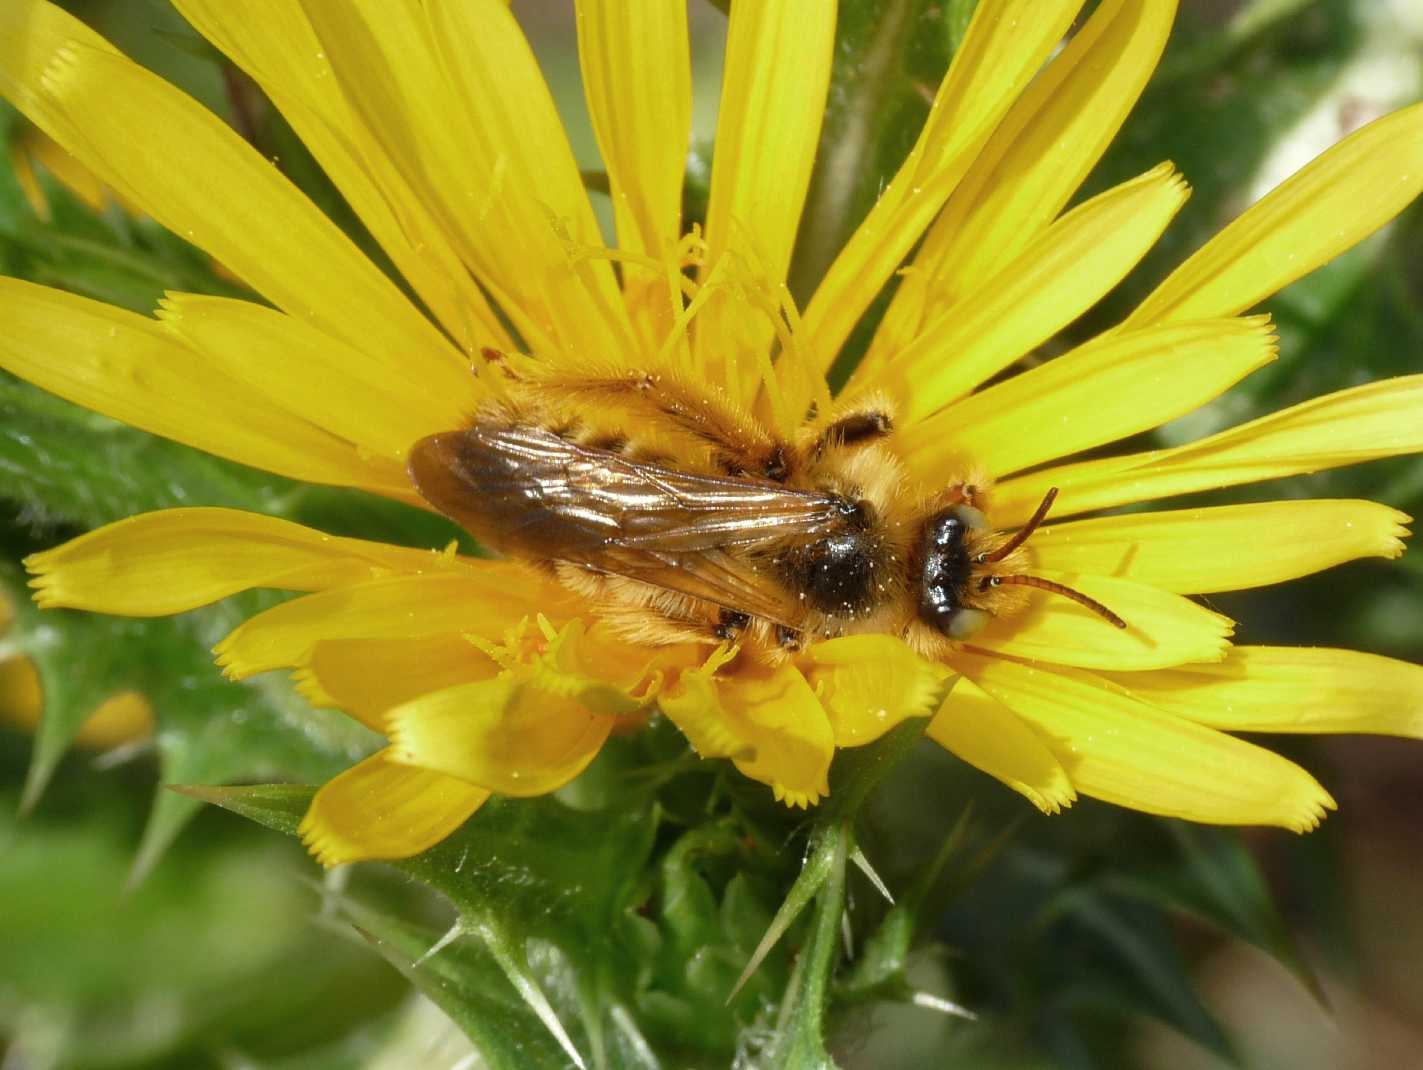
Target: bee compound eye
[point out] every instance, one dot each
(971, 518)
(966, 623)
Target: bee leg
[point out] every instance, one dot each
(789, 639)
(855, 428)
(731, 624)
(965, 493)
(612, 442)
(497, 358)
(739, 445)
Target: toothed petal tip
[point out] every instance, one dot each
(325, 849)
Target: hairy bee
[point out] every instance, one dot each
(743, 536)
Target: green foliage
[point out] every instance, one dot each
(606, 935)
(660, 912)
(230, 960)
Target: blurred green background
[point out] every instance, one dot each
(139, 930)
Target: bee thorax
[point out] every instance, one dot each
(838, 575)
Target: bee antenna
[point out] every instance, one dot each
(1041, 584)
(1024, 532)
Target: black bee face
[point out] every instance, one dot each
(945, 571)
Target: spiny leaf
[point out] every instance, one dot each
(799, 1040)
(279, 807)
(1137, 966)
(508, 952)
(827, 845)
(879, 967)
(522, 871)
(863, 865)
(1218, 882)
(857, 771)
(210, 728)
(879, 970)
(465, 981)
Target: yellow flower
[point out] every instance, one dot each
(125, 717)
(491, 676)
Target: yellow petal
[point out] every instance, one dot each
(177, 559)
(1227, 548)
(637, 75)
(1162, 629)
(868, 684)
(366, 678)
(1113, 386)
(21, 694)
(132, 369)
(991, 737)
(31, 146)
(1361, 424)
(22, 167)
(776, 74)
(377, 809)
(775, 77)
(380, 404)
(503, 734)
(1036, 159)
(119, 719)
(1118, 748)
(273, 41)
(122, 718)
(1291, 689)
(767, 721)
(1004, 48)
(483, 602)
(1049, 284)
(177, 161)
(454, 96)
(1333, 202)
(31, 32)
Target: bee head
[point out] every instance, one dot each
(951, 570)
(946, 570)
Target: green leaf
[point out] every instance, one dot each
(279, 807)
(223, 936)
(1216, 880)
(799, 1039)
(523, 872)
(691, 917)
(465, 981)
(64, 464)
(879, 969)
(1135, 967)
(826, 846)
(210, 727)
(858, 771)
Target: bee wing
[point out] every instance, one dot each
(528, 491)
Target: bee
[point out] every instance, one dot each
(683, 519)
